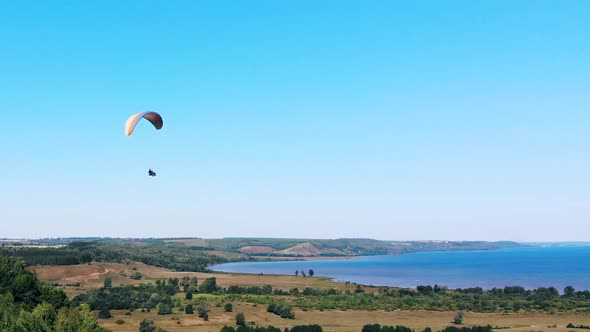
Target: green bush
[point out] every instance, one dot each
(104, 314)
(240, 319)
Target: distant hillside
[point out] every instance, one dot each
(418, 246)
(345, 247)
(195, 254)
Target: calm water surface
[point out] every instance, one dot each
(528, 267)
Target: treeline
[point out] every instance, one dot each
(437, 298)
(487, 328)
(264, 290)
(366, 328)
(27, 304)
(297, 328)
(80, 252)
(47, 256)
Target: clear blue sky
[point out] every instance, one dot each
(393, 120)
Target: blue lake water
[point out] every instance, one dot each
(529, 267)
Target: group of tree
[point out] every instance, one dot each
(147, 325)
(379, 328)
(438, 298)
(310, 273)
(27, 304)
(177, 258)
(203, 312)
(486, 328)
(297, 328)
(281, 310)
(209, 286)
(240, 319)
(572, 326)
(399, 328)
(142, 296)
(366, 328)
(244, 328)
(255, 290)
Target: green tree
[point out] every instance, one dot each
(45, 313)
(459, 316)
(188, 296)
(164, 309)
(240, 319)
(147, 326)
(371, 328)
(104, 313)
(189, 309)
(108, 282)
(228, 307)
(77, 319)
(28, 321)
(569, 291)
(209, 285)
(311, 273)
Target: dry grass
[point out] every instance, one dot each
(342, 321)
(91, 276)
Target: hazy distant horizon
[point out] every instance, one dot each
(302, 239)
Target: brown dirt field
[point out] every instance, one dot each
(303, 249)
(257, 250)
(342, 321)
(90, 276)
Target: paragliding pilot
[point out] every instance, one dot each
(151, 173)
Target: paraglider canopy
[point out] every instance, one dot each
(152, 117)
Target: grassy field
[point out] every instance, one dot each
(91, 276)
(342, 321)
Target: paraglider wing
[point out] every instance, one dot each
(152, 117)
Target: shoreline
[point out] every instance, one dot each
(442, 268)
